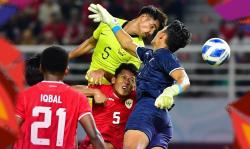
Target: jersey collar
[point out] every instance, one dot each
(60, 82)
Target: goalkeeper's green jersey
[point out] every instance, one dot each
(108, 53)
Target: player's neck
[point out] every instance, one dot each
(159, 46)
(52, 77)
(131, 27)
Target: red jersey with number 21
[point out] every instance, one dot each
(50, 111)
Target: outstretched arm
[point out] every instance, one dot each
(99, 97)
(102, 15)
(83, 48)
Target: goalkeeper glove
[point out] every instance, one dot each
(102, 15)
(166, 100)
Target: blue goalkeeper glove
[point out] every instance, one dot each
(166, 100)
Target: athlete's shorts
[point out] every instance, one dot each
(154, 122)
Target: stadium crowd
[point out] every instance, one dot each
(65, 21)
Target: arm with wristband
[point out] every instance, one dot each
(165, 100)
(102, 15)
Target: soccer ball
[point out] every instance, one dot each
(215, 51)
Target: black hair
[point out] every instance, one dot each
(54, 59)
(156, 14)
(33, 75)
(126, 66)
(178, 36)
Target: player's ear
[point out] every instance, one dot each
(143, 17)
(40, 68)
(162, 35)
(113, 80)
(66, 70)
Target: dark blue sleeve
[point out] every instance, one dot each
(168, 62)
(144, 54)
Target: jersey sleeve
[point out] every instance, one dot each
(20, 106)
(144, 54)
(169, 62)
(98, 30)
(84, 107)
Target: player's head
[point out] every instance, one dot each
(151, 19)
(174, 36)
(124, 79)
(33, 74)
(54, 60)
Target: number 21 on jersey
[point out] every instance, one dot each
(46, 124)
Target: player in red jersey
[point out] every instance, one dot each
(113, 105)
(48, 112)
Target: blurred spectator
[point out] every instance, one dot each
(27, 38)
(48, 38)
(196, 38)
(75, 29)
(228, 30)
(241, 37)
(206, 19)
(175, 8)
(56, 26)
(85, 20)
(47, 8)
(66, 8)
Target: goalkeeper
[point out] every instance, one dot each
(108, 54)
(161, 78)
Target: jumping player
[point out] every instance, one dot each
(48, 112)
(108, 53)
(161, 78)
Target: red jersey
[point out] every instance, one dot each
(111, 117)
(50, 111)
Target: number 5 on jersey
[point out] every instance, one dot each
(116, 118)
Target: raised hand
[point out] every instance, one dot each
(101, 15)
(164, 101)
(96, 76)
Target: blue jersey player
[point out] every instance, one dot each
(161, 78)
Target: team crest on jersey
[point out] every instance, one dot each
(129, 103)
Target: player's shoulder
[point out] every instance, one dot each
(165, 56)
(164, 52)
(30, 89)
